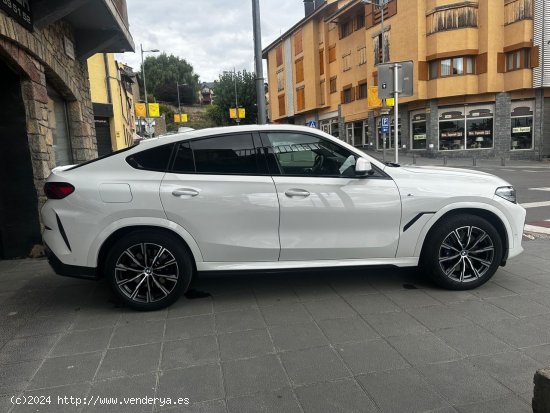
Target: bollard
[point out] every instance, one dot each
(474, 161)
(502, 161)
(414, 159)
(445, 160)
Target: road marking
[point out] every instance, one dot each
(534, 172)
(539, 230)
(546, 189)
(508, 170)
(535, 204)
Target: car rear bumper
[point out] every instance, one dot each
(66, 270)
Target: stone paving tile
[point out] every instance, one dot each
(273, 295)
(282, 400)
(295, 337)
(239, 320)
(82, 342)
(519, 305)
(189, 327)
(542, 279)
(518, 285)
(480, 311)
(234, 301)
(344, 330)
(59, 398)
(514, 370)
(185, 307)
(394, 324)
(253, 375)
(60, 371)
(510, 404)
(352, 286)
(245, 344)
(15, 377)
(27, 348)
(312, 289)
(334, 397)
(123, 387)
(372, 304)
(330, 309)
(190, 352)
(129, 361)
(539, 353)
(91, 320)
(286, 314)
(6, 402)
(461, 383)
(412, 298)
(518, 333)
(449, 296)
(541, 297)
(211, 406)
(401, 391)
(45, 326)
(137, 333)
(423, 348)
(313, 365)
(472, 340)
(198, 383)
(370, 356)
(438, 317)
(491, 289)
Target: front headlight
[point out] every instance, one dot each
(507, 192)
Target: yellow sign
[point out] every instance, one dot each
(154, 110)
(233, 113)
(390, 102)
(180, 119)
(373, 99)
(140, 110)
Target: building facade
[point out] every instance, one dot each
(111, 85)
(46, 114)
(481, 75)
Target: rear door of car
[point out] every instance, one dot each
(218, 188)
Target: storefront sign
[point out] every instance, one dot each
(451, 134)
(419, 137)
(479, 133)
(524, 129)
(20, 11)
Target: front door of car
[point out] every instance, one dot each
(327, 212)
(218, 189)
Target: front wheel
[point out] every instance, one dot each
(149, 270)
(463, 252)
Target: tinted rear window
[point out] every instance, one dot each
(228, 154)
(154, 159)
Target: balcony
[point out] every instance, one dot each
(99, 26)
(452, 17)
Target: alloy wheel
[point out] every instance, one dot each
(466, 254)
(146, 272)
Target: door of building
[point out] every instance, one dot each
(103, 136)
(546, 129)
(19, 224)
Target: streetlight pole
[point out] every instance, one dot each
(260, 89)
(237, 119)
(145, 83)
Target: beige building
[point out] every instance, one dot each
(481, 74)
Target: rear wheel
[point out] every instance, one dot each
(463, 252)
(149, 270)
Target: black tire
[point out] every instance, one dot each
(155, 285)
(443, 246)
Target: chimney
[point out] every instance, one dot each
(309, 6)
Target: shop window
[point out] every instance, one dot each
(280, 80)
(418, 129)
(451, 134)
(480, 133)
(333, 87)
(390, 138)
(300, 70)
(522, 126)
(471, 130)
(59, 124)
(357, 134)
(346, 62)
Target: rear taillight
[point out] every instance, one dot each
(58, 190)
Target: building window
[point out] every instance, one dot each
(471, 130)
(362, 91)
(300, 70)
(418, 129)
(280, 80)
(517, 10)
(333, 87)
(456, 66)
(381, 45)
(59, 124)
(347, 95)
(321, 62)
(452, 17)
(298, 48)
(279, 55)
(322, 97)
(346, 62)
(300, 99)
(359, 21)
(518, 59)
(282, 106)
(332, 53)
(362, 55)
(346, 29)
(522, 126)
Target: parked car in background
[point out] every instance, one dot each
(259, 198)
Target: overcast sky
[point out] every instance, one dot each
(212, 35)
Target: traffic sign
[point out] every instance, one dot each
(385, 127)
(312, 124)
(386, 79)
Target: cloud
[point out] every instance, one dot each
(212, 35)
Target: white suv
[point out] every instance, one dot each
(269, 198)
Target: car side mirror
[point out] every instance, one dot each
(363, 167)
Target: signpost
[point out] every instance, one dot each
(237, 115)
(312, 124)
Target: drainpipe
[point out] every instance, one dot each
(107, 78)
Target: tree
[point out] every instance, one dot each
(224, 92)
(162, 73)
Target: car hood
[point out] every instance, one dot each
(446, 175)
(439, 170)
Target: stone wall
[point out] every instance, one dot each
(40, 60)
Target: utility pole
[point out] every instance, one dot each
(237, 119)
(260, 88)
(179, 104)
(145, 85)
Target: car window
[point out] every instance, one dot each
(307, 155)
(228, 154)
(154, 159)
(183, 159)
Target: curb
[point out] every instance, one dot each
(536, 229)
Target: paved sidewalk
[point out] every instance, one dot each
(347, 341)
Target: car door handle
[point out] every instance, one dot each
(291, 193)
(185, 192)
